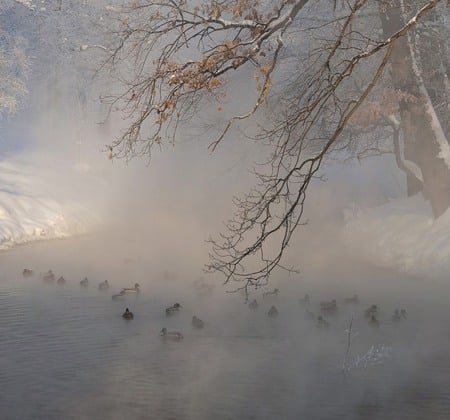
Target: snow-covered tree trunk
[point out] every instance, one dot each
(424, 140)
(433, 52)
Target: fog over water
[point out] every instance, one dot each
(67, 353)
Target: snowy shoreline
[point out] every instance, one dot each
(402, 235)
(33, 208)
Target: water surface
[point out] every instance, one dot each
(66, 353)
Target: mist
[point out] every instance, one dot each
(69, 347)
(66, 207)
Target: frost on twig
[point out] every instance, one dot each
(26, 3)
(185, 57)
(375, 356)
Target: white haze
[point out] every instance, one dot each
(70, 355)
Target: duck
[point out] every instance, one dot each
(273, 312)
(27, 272)
(49, 276)
(203, 289)
(274, 292)
(134, 289)
(372, 310)
(353, 300)
(253, 304)
(322, 322)
(119, 295)
(197, 323)
(396, 317)
(373, 321)
(84, 282)
(305, 300)
(127, 314)
(103, 285)
(171, 335)
(61, 281)
(173, 309)
(329, 308)
(309, 315)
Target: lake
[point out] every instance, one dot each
(66, 352)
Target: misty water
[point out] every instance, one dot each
(67, 353)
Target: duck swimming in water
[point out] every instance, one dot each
(175, 308)
(134, 289)
(203, 289)
(322, 323)
(273, 312)
(27, 272)
(253, 304)
(49, 277)
(329, 308)
(396, 317)
(127, 314)
(84, 282)
(373, 321)
(119, 295)
(61, 281)
(353, 300)
(373, 310)
(171, 335)
(104, 285)
(305, 300)
(197, 323)
(309, 315)
(274, 292)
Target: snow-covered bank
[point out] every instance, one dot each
(401, 234)
(33, 207)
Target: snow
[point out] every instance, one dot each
(414, 169)
(402, 235)
(26, 3)
(29, 211)
(439, 134)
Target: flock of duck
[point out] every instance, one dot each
(50, 277)
(371, 314)
(330, 309)
(326, 308)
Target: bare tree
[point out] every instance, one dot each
(66, 40)
(13, 73)
(312, 67)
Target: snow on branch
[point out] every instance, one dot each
(435, 123)
(26, 3)
(166, 88)
(223, 37)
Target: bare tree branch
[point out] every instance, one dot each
(315, 105)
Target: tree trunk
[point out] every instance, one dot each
(423, 135)
(433, 51)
